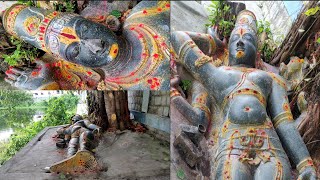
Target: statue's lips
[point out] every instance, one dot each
(240, 53)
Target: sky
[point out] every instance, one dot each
(293, 8)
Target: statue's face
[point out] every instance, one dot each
(97, 45)
(242, 47)
(76, 118)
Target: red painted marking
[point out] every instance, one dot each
(136, 80)
(143, 55)
(55, 13)
(69, 77)
(145, 12)
(149, 81)
(140, 36)
(159, 9)
(101, 17)
(255, 92)
(156, 55)
(41, 38)
(247, 89)
(89, 72)
(131, 74)
(46, 20)
(70, 36)
(115, 51)
(155, 36)
(168, 5)
(141, 25)
(239, 91)
(132, 28)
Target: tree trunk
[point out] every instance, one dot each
(109, 109)
(295, 42)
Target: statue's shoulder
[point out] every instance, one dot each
(278, 79)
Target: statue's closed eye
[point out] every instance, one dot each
(235, 37)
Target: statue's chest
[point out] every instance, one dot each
(255, 79)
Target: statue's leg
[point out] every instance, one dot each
(229, 167)
(86, 140)
(276, 168)
(73, 146)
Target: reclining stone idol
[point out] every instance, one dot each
(81, 137)
(253, 134)
(137, 59)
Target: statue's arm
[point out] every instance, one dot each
(90, 125)
(282, 120)
(209, 45)
(194, 60)
(198, 112)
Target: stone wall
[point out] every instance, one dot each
(135, 100)
(152, 102)
(151, 108)
(159, 103)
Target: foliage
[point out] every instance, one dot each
(266, 45)
(11, 116)
(22, 52)
(59, 111)
(27, 2)
(65, 6)
(185, 84)
(318, 40)
(220, 16)
(312, 11)
(116, 13)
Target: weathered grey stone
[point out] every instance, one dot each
(187, 150)
(166, 111)
(164, 100)
(188, 16)
(160, 111)
(157, 100)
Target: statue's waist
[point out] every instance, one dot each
(253, 140)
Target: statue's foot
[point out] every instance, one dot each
(82, 161)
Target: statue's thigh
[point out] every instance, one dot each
(234, 169)
(275, 169)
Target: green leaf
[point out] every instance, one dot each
(312, 11)
(318, 40)
(116, 13)
(180, 174)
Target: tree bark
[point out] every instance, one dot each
(109, 109)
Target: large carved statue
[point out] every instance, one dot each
(93, 56)
(81, 137)
(252, 130)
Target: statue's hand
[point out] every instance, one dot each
(308, 173)
(38, 77)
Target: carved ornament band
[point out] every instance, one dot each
(203, 60)
(282, 117)
(201, 106)
(174, 93)
(184, 48)
(304, 164)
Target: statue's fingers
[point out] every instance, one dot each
(10, 81)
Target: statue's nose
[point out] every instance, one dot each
(94, 45)
(240, 43)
